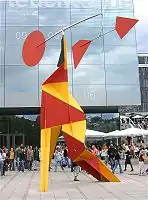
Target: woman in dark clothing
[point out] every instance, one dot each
(128, 161)
(22, 160)
(117, 162)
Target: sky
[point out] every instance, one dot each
(141, 13)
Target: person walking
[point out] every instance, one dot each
(11, 159)
(142, 158)
(1, 162)
(58, 156)
(65, 153)
(117, 162)
(76, 170)
(22, 160)
(111, 153)
(30, 158)
(36, 158)
(128, 157)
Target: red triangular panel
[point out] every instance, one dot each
(79, 50)
(58, 113)
(75, 147)
(85, 165)
(124, 25)
(60, 75)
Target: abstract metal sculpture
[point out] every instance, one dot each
(60, 112)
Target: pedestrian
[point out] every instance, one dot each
(142, 158)
(36, 158)
(65, 153)
(11, 159)
(30, 158)
(58, 156)
(1, 162)
(117, 162)
(22, 160)
(76, 170)
(111, 153)
(128, 157)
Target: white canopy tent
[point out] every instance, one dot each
(138, 117)
(134, 132)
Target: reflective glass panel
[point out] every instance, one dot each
(54, 17)
(89, 74)
(118, 55)
(79, 14)
(112, 38)
(90, 95)
(123, 95)
(122, 74)
(16, 35)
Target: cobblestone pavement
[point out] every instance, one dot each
(25, 186)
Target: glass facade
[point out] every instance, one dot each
(107, 75)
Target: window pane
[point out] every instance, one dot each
(90, 95)
(87, 33)
(16, 35)
(122, 74)
(49, 17)
(14, 55)
(1, 75)
(1, 55)
(86, 4)
(79, 14)
(21, 16)
(21, 86)
(1, 96)
(123, 95)
(89, 74)
(110, 16)
(121, 55)
(58, 4)
(113, 39)
(2, 35)
(141, 60)
(2, 13)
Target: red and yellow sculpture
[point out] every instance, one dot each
(60, 112)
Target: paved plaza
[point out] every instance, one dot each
(25, 186)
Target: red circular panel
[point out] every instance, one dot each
(32, 53)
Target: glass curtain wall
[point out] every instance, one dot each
(108, 73)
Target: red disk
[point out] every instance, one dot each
(32, 53)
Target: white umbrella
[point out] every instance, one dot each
(113, 134)
(134, 132)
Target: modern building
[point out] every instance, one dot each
(108, 74)
(143, 76)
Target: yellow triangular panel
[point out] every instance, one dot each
(76, 130)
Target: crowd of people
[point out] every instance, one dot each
(110, 155)
(20, 158)
(28, 158)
